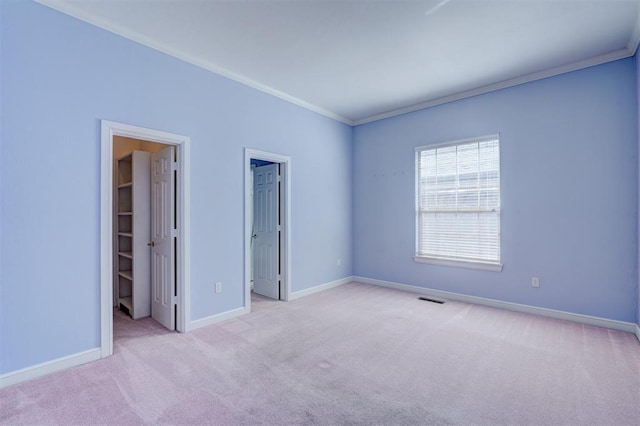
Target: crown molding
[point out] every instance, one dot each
(598, 60)
(634, 41)
(112, 27)
(75, 12)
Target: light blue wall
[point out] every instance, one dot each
(569, 217)
(637, 62)
(569, 149)
(60, 77)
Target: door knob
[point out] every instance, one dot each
(151, 244)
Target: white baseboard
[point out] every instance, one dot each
(48, 367)
(321, 287)
(213, 319)
(550, 313)
(638, 332)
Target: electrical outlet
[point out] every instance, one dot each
(218, 287)
(535, 282)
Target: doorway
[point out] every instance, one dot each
(266, 230)
(172, 151)
(267, 217)
(144, 224)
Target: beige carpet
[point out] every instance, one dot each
(356, 354)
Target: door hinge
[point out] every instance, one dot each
(174, 300)
(174, 165)
(174, 233)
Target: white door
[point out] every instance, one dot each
(162, 238)
(265, 231)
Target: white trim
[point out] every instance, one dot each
(493, 267)
(106, 241)
(638, 331)
(214, 319)
(598, 60)
(485, 138)
(285, 162)
(321, 287)
(109, 129)
(49, 367)
(70, 9)
(549, 313)
(433, 259)
(224, 316)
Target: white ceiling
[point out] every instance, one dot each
(361, 60)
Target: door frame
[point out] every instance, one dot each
(285, 214)
(109, 129)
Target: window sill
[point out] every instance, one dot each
(494, 267)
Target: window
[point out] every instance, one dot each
(458, 203)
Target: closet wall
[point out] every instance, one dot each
(122, 146)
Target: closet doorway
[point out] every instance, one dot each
(144, 225)
(144, 259)
(267, 218)
(266, 229)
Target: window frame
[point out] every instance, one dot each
(444, 261)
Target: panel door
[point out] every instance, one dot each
(162, 238)
(265, 231)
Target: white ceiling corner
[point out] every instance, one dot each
(361, 61)
(634, 39)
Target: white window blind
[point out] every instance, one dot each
(458, 201)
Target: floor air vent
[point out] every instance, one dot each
(429, 299)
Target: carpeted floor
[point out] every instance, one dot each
(355, 354)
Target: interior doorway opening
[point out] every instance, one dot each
(144, 207)
(266, 229)
(150, 168)
(267, 218)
